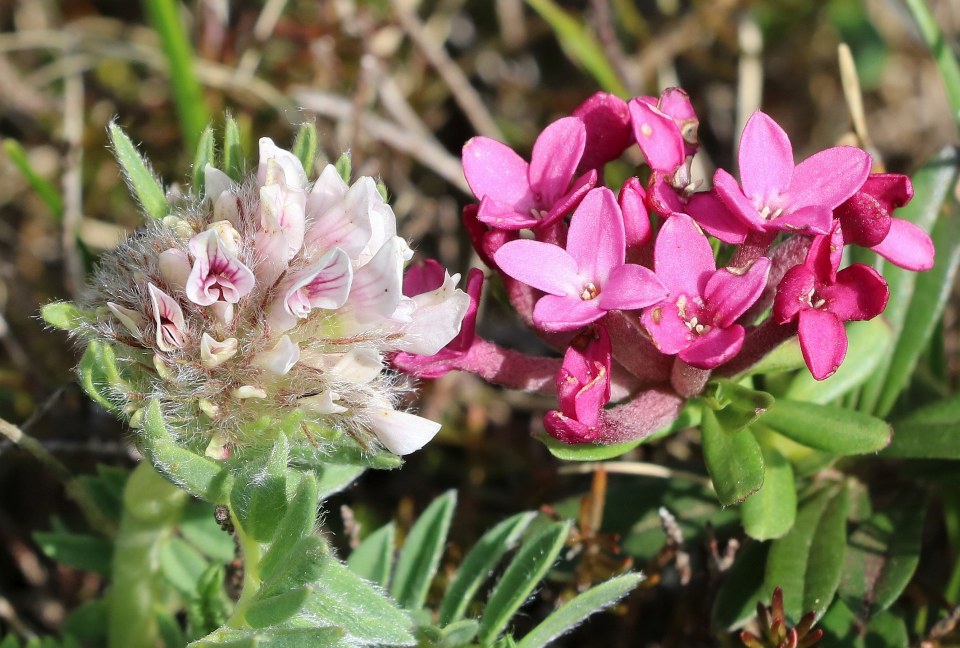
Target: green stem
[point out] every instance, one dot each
(151, 508)
(946, 61)
(252, 553)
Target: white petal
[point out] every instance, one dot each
(225, 208)
(228, 234)
(436, 320)
(293, 172)
(358, 366)
(214, 353)
(131, 319)
(248, 391)
(344, 223)
(327, 191)
(174, 267)
(281, 358)
(322, 403)
(215, 182)
(400, 432)
(377, 286)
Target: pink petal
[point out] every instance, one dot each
(174, 267)
(217, 275)
(345, 223)
(663, 197)
(504, 216)
(809, 220)
(907, 246)
(377, 286)
(658, 136)
(567, 429)
(859, 294)
(683, 257)
(563, 205)
(739, 205)
(730, 294)
(864, 219)
(554, 159)
(168, 319)
(544, 266)
(325, 283)
(583, 382)
(636, 220)
(793, 293)
(714, 347)
(606, 118)
(713, 215)
(423, 277)
(823, 342)
(632, 286)
(666, 328)
(493, 169)
(596, 237)
(293, 173)
(554, 313)
(765, 158)
(829, 177)
(676, 103)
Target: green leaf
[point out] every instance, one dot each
(373, 559)
(786, 357)
(932, 184)
(65, 316)
(233, 161)
(85, 552)
(199, 528)
(930, 294)
(305, 146)
(736, 406)
(421, 552)
(883, 554)
(734, 460)
(479, 563)
(530, 564)
(886, 630)
(259, 494)
(212, 607)
(867, 346)
(769, 513)
(169, 628)
(805, 562)
(585, 451)
(200, 476)
(580, 45)
(333, 478)
(99, 375)
(830, 429)
(459, 634)
(299, 522)
(942, 53)
(205, 155)
(274, 638)
(87, 623)
(272, 610)
(138, 175)
(106, 489)
(574, 612)
(742, 588)
(931, 432)
(304, 565)
(344, 166)
(45, 189)
(187, 94)
(181, 565)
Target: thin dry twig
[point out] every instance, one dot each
(73, 181)
(638, 468)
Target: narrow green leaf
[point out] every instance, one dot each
(883, 554)
(530, 564)
(99, 375)
(78, 550)
(232, 150)
(925, 441)
(344, 166)
(942, 53)
(200, 476)
(271, 610)
(170, 632)
(734, 460)
(736, 406)
(574, 612)
(373, 558)
(742, 588)
(259, 495)
(305, 146)
(188, 96)
(199, 528)
(138, 175)
(106, 489)
(886, 630)
(825, 560)
(205, 155)
(421, 552)
(770, 512)
(333, 478)
(87, 623)
(585, 451)
(281, 637)
(212, 607)
(786, 357)
(181, 565)
(827, 428)
(932, 184)
(479, 563)
(44, 188)
(304, 564)
(867, 346)
(930, 294)
(459, 634)
(580, 45)
(298, 522)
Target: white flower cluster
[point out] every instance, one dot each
(273, 296)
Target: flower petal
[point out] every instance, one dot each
(765, 158)
(568, 430)
(658, 136)
(279, 359)
(859, 294)
(544, 266)
(400, 432)
(327, 191)
(666, 328)
(168, 318)
(214, 353)
(829, 177)
(131, 319)
(596, 238)
(823, 342)
(293, 173)
(606, 118)
(378, 286)
(809, 220)
(630, 287)
(493, 169)
(729, 294)
(636, 219)
(505, 216)
(713, 215)
(217, 274)
(714, 347)
(907, 246)
(683, 257)
(554, 159)
(553, 313)
(344, 223)
(739, 205)
(793, 293)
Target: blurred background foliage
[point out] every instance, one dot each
(402, 85)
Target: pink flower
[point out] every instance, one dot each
(697, 319)
(589, 277)
(323, 284)
(774, 195)
(705, 207)
(866, 220)
(607, 120)
(217, 275)
(168, 319)
(666, 131)
(822, 299)
(514, 195)
(583, 388)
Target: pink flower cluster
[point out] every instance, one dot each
(626, 286)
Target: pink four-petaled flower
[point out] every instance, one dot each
(589, 277)
(697, 320)
(583, 388)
